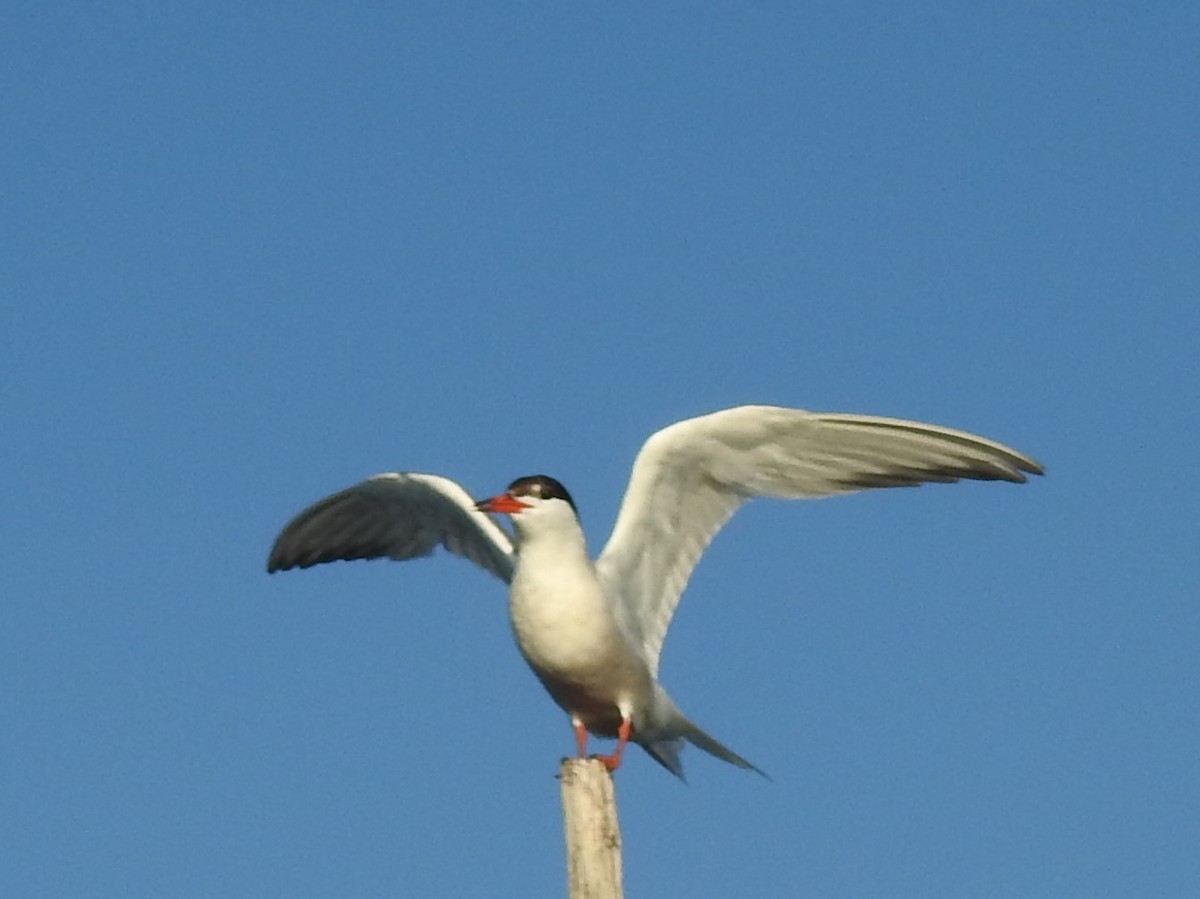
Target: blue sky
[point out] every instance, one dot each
(252, 255)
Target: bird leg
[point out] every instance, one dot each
(612, 761)
(580, 736)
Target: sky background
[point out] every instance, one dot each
(253, 253)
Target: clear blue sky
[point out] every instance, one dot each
(252, 253)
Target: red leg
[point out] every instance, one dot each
(612, 761)
(580, 737)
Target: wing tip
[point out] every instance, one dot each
(275, 563)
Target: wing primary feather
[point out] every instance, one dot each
(689, 477)
(398, 516)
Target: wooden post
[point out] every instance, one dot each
(591, 829)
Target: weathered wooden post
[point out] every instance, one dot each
(592, 833)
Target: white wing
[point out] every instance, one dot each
(397, 516)
(689, 478)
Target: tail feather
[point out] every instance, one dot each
(665, 739)
(701, 740)
(666, 753)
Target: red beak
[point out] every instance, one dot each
(502, 504)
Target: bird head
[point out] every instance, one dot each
(532, 502)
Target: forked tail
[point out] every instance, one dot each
(664, 749)
(701, 740)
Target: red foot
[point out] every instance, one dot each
(611, 762)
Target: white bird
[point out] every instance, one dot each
(592, 631)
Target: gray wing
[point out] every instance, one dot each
(395, 516)
(691, 476)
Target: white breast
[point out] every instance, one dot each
(560, 617)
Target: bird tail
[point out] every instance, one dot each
(701, 740)
(664, 745)
(666, 753)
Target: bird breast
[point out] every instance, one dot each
(562, 620)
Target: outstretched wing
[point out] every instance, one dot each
(395, 516)
(690, 477)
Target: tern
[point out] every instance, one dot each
(592, 631)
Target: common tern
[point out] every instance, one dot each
(592, 631)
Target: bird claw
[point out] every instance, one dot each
(610, 762)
